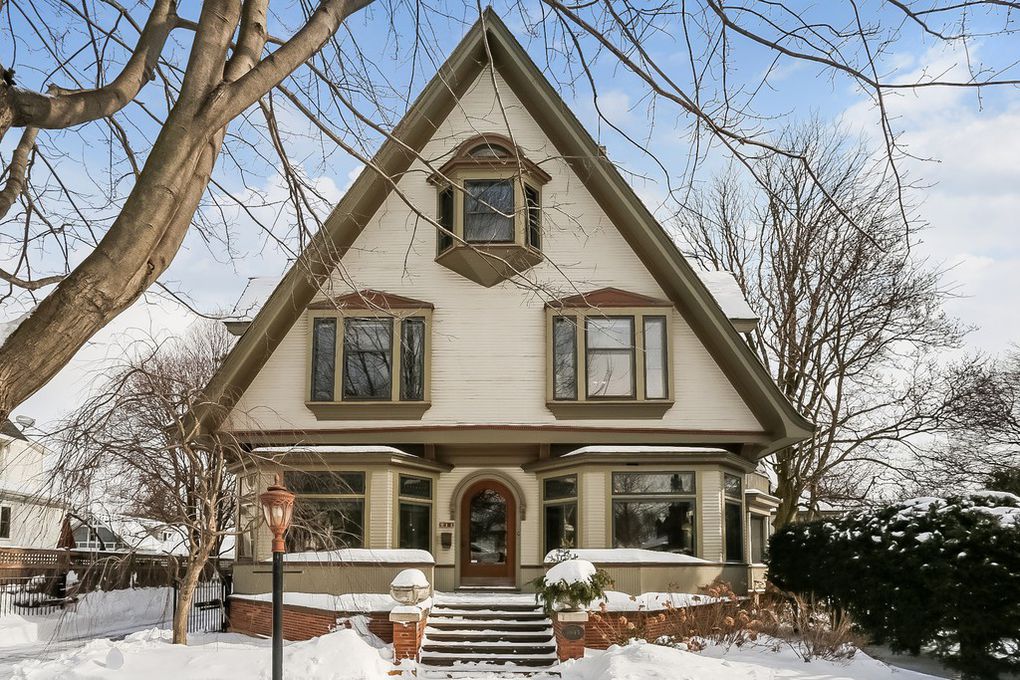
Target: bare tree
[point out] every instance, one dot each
(850, 320)
(123, 112)
(134, 445)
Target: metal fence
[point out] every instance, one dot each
(32, 594)
(208, 606)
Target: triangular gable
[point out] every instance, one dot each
(608, 297)
(370, 299)
(643, 233)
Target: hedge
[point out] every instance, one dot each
(940, 573)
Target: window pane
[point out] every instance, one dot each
(323, 359)
(416, 487)
(759, 536)
(488, 528)
(326, 525)
(561, 487)
(655, 357)
(732, 484)
(324, 482)
(489, 211)
(368, 345)
(445, 219)
(415, 526)
(610, 374)
(653, 482)
(412, 359)
(5, 522)
(610, 333)
(489, 151)
(560, 526)
(734, 533)
(565, 357)
(534, 217)
(650, 525)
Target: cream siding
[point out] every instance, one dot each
(710, 541)
(595, 516)
(379, 509)
(488, 345)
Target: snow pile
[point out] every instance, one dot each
(624, 556)
(644, 661)
(96, 613)
(410, 578)
(342, 655)
(347, 602)
(570, 571)
(615, 601)
(363, 556)
(1001, 506)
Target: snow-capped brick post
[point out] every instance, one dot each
(567, 589)
(412, 590)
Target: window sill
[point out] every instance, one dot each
(613, 408)
(368, 410)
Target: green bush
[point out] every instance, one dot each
(571, 584)
(931, 572)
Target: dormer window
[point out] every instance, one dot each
(489, 210)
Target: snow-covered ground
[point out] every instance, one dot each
(344, 655)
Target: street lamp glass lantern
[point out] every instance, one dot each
(277, 509)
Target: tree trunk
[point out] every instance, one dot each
(788, 495)
(185, 598)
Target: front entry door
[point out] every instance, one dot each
(488, 535)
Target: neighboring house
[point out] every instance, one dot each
(29, 516)
(121, 533)
(546, 372)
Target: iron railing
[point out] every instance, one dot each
(208, 605)
(32, 594)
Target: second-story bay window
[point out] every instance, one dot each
(369, 348)
(609, 354)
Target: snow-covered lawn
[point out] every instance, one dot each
(344, 655)
(96, 613)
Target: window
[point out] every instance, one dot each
(445, 240)
(559, 500)
(488, 211)
(328, 511)
(759, 538)
(654, 511)
(734, 517)
(382, 358)
(608, 355)
(415, 512)
(531, 201)
(323, 358)
(5, 522)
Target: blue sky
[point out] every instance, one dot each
(971, 205)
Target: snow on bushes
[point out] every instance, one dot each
(938, 572)
(571, 584)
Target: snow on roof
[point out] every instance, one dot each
(347, 602)
(613, 449)
(724, 288)
(625, 556)
(334, 449)
(363, 556)
(253, 296)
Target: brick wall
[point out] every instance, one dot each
(254, 617)
(407, 639)
(569, 649)
(608, 628)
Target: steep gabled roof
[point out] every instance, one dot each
(616, 198)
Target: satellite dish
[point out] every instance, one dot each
(24, 421)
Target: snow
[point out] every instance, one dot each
(724, 288)
(347, 602)
(410, 578)
(96, 613)
(345, 449)
(616, 601)
(570, 572)
(625, 556)
(363, 556)
(1001, 506)
(418, 608)
(644, 661)
(612, 449)
(341, 655)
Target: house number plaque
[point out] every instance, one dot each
(573, 631)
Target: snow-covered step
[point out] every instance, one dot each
(486, 673)
(488, 634)
(491, 614)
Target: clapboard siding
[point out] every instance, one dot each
(488, 345)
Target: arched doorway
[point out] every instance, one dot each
(488, 535)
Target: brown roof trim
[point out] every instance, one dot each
(644, 234)
(608, 297)
(370, 299)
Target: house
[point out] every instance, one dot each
(29, 516)
(113, 533)
(542, 371)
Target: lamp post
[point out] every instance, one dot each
(277, 509)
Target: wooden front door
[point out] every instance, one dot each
(488, 535)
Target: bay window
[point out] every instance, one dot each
(414, 512)
(329, 510)
(654, 511)
(734, 517)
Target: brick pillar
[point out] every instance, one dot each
(408, 630)
(570, 629)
